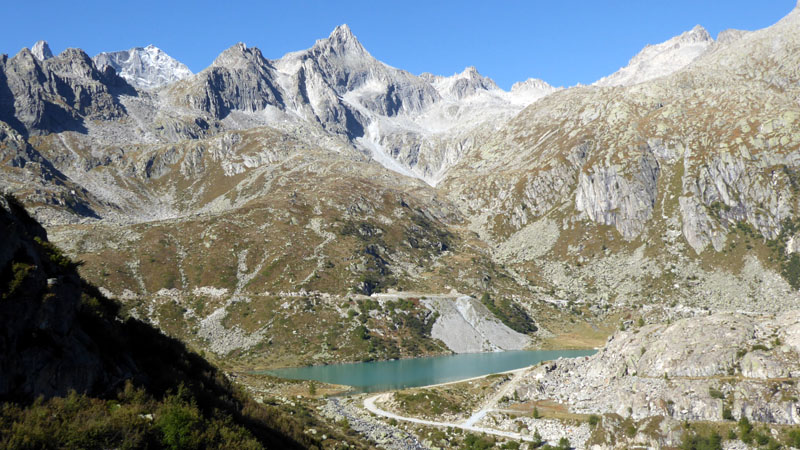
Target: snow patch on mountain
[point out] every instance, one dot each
(144, 67)
(663, 59)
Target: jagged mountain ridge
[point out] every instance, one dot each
(399, 145)
(336, 85)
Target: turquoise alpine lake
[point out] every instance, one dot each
(405, 373)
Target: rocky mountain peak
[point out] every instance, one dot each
(25, 55)
(239, 56)
(144, 67)
(58, 93)
(530, 83)
(341, 33)
(41, 50)
(464, 84)
(673, 46)
(530, 90)
(696, 34)
(341, 42)
(75, 63)
(240, 78)
(472, 73)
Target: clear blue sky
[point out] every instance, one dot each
(563, 42)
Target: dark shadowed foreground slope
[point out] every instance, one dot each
(75, 374)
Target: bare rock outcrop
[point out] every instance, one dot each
(694, 369)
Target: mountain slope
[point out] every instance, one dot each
(704, 158)
(661, 59)
(67, 345)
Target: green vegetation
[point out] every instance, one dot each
(537, 439)
(789, 265)
(137, 419)
(563, 443)
(475, 442)
(745, 429)
(727, 414)
(694, 442)
(429, 402)
(794, 438)
(716, 207)
(791, 271)
(54, 254)
(361, 332)
(133, 420)
(16, 280)
(511, 314)
(377, 245)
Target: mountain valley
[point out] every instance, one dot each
(326, 208)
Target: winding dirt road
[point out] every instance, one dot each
(468, 424)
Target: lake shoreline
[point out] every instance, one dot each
(388, 375)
